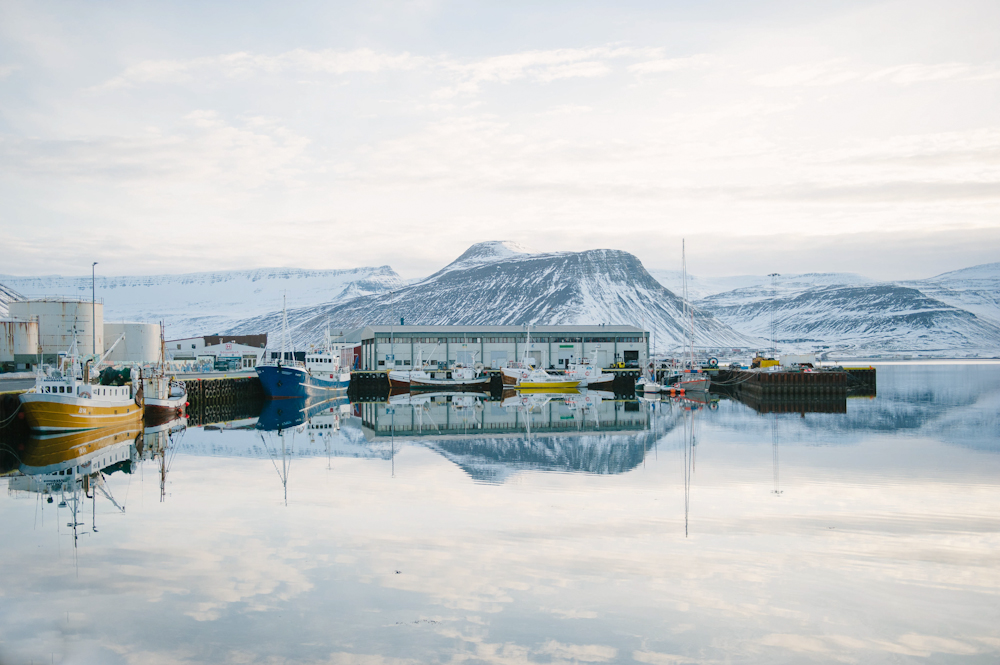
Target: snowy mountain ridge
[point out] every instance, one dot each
(203, 303)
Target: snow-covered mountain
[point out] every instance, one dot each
(975, 289)
(702, 287)
(206, 303)
(855, 315)
(497, 283)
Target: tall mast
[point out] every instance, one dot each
(688, 309)
(284, 326)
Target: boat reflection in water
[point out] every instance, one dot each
(281, 422)
(72, 467)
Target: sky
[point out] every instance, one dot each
(180, 137)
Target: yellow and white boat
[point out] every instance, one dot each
(539, 379)
(62, 401)
(65, 404)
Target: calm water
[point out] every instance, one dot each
(612, 533)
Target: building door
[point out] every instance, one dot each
(498, 359)
(632, 355)
(535, 357)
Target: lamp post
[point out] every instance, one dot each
(93, 308)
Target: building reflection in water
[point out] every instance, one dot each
(591, 432)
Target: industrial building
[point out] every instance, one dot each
(551, 347)
(239, 351)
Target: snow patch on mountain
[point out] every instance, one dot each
(487, 252)
(702, 287)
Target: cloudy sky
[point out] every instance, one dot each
(173, 137)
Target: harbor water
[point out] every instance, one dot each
(533, 529)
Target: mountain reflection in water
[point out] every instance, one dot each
(567, 528)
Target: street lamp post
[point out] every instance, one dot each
(93, 308)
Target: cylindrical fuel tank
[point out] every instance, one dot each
(141, 343)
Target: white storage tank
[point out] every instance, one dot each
(18, 341)
(141, 343)
(58, 318)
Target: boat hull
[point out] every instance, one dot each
(158, 410)
(295, 382)
(482, 383)
(548, 385)
(693, 385)
(69, 413)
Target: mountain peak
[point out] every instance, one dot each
(488, 252)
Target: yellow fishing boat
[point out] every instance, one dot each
(549, 386)
(62, 401)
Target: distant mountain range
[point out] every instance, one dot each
(957, 313)
(207, 303)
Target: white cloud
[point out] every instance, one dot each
(7, 70)
(662, 65)
(243, 65)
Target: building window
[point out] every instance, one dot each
(192, 346)
(178, 347)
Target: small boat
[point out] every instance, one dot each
(164, 398)
(647, 386)
(539, 379)
(459, 378)
(689, 380)
(590, 376)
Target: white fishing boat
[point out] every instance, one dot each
(589, 375)
(459, 377)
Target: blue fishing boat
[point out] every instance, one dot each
(319, 376)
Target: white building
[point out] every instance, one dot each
(386, 347)
(247, 350)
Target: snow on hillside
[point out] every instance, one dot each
(865, 318)
(702, 287)
(208, 302)
(487, 252)
(562, 288)
(975, 289)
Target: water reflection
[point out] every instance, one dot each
(534, 528)
(68, 468)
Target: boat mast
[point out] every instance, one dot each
(284, 326)
(689, 310)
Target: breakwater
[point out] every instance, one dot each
(223, 399)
